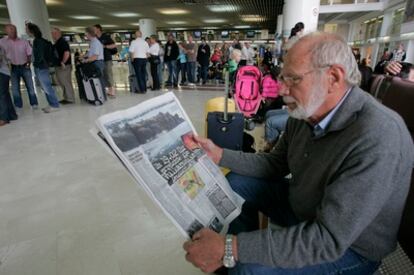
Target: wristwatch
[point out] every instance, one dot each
(228, 259)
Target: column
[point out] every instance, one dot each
(279, 26)
(386, 24)
(34, 11)
(147, 27)
(306, 11)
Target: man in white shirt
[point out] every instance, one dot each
(247, 55)
(154, 59)
(139, 52)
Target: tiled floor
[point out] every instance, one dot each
(68, 207)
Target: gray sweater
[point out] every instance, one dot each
(348, 186)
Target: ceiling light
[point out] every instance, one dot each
(213, 21)
(252, 18)
(176, 22)
(53, 2)
(134, 24)
(242, 27)
(53, 20)
(172, 11)
(109, 26)
(126, 14)
(222, 8)
(2, 6)
(84, 17)
(210, 28)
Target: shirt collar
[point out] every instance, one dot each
(320, 128)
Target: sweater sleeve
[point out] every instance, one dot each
(351, 201)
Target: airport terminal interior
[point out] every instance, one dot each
(70, 206)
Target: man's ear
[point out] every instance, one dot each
(336, 78)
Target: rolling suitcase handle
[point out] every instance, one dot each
(226, 91)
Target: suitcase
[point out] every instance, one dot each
(94, 91)
(79, 80)
(223, 128)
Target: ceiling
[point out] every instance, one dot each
(257, 14)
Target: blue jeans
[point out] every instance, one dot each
(172, 72)
(271, 198)
(191, 66)
(182, 67)
(100, 64)
(275, 124)
(46, 84)
(140, 67)
(22, 71)
(7, 111)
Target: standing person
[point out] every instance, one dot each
(95, 53)
(247, 55)
(41, 53)
(398, 54)
(225, 49)
(182, 63)
(191, 59)
(7, 111)
(139, 50)
(267, 59)
(203, 58)
(170, 58)
(109, 50)
(64, 68)
(154, 59)
(161, 65)
(19, 52)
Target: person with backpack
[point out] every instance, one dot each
(42, 59)
(63, 66)
(110, 49)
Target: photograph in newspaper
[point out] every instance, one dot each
(154, 141)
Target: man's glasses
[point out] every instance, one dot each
(292, 80)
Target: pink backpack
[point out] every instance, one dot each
(270, 87)
(247, 95)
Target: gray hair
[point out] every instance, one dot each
(330, 49)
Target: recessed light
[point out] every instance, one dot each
(53, 19)
(176, 22)
(222, 8)
(252, 18)
(53, 2)
(242, 27)
(172, 11)
(126, 14)
(84, 17)
(109, 26)
(213, 21)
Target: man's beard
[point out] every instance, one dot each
(316, 99)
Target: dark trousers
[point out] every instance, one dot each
(204, 73)
(7, 111)
(182, 67)
(154, 62)
(140, 67)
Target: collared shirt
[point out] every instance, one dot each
(17, 50)
(320, 128)
(96, 48)
(154, 49)
(139, 48)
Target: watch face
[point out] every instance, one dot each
(229, 262)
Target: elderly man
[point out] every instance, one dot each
(19, 52)
(340, 209)
(64, 68)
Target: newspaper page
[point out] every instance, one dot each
(154, 142)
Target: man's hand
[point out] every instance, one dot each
(205, 250)
(212, 150)
(393, 67)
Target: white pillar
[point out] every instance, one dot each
(147, 27)
(386, 24)
(410, 51)
(306, 11)
(34, 11)
(279, 26)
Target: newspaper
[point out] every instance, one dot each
(154, 142)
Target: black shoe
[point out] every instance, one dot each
(64, 102)
(175, 85)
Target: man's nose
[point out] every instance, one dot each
(284, 90)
